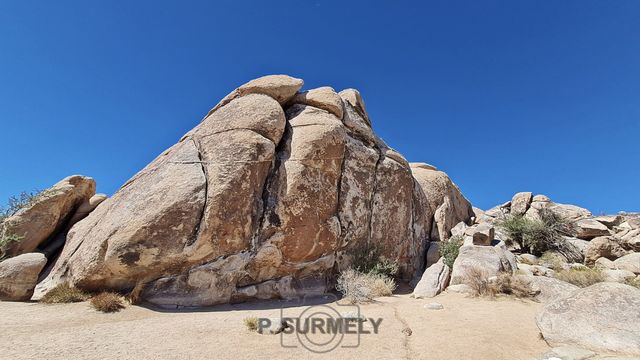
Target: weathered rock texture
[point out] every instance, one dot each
(269, 196)
(19, 275)
(48, 214)
(602, 317)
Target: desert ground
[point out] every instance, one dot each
(466, 328)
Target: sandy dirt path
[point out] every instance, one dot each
(464, 329)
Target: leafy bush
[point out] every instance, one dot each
(581, 277)
(107, 302)
(369, 260)
(537, 236)
(251, 323)
(358, 287)
(64, 293)
(450, 249)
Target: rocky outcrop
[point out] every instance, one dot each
(588, 229)
(603, 317)
(445, 202)
(19, 275)
(603, 246)
(48, 213)
(548, 288)
(269, 196)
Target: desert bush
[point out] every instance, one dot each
(581, 277)
(64, 293)
(478, 279)
(357, 287)
(251, 323)
(368, 260)
(107, 302)
(508, 284)
(450, 249)
(537, 236)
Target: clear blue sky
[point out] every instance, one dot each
(505, 96)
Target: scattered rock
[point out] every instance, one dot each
(602, 317)
(434, 306)
(587, 229)
(19, 275)
(603, 246)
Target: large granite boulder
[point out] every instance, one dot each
(48, 213)
(268, 197)
(602, 317)
(492, 260)
(445, 201)
(603, 246)
(19, 275)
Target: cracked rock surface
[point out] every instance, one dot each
(268, 197)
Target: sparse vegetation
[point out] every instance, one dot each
(552, 260)
(107, 302)
(508, 284)
(482, 285)
(450, 249)
(64, 293)
(635, 282)
(368, 260)
(358, 287)
(17, 203)
(251, 323)
(581, 277)
(478, 279)
(537, 236)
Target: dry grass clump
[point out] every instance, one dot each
(513, 285)
(251, 323)
(64, 293)
(482, 285)
(581, 277)
(107, 302)
(357, 287)
(633, 282)
(552, 260)
(478, 280)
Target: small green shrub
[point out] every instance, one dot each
(581, 277)
(358, 288)
(64, 293)
(369, 260)
(107, 302)
(251, 323)
(537, 236)
(450, 249)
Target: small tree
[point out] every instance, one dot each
(450, 249)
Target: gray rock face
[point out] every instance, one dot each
(50, 211)
(270, 195)
(549, 288)
(630, 262)
(492, 259)
(603, 317)
(434, 280)
(19, 275)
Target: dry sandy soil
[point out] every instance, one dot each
(465, 329)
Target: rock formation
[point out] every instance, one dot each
(268, 197)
